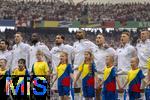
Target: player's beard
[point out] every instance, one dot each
(79, 37)
(58, 44)
(2, 49)
(34, 42)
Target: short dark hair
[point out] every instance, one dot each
(127, 33)
(22, 60)
(4, 60)
(62, 36)
(36, 34)
(6, 42)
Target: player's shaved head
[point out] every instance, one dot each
(35, 38)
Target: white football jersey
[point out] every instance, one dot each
(33, 50)
(100, 57)
(124, 55)
(6, 55)
(19, 51)
(79, 48)
(55, 52)
(143, 52)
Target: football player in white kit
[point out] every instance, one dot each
(55, 54)
(4, 52)
(148, 66)
(79, 47)
(35, 46)
(143, 52)
(124, 54)
(19, 50)
(57, 49)
(102, 50)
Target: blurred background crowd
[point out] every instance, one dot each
(48, 35)
(58, 10)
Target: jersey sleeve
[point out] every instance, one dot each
(133, 51)
(46, 51)
(90, 45)
(70, 51)
(27, 49)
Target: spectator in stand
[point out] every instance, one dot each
(63, 11)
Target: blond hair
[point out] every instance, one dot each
(40, 52)
(66, 54)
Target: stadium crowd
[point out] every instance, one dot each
(62, 11)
